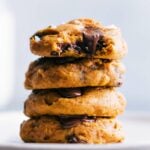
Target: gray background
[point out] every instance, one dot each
(132, 16)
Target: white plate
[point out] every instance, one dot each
(136, 126)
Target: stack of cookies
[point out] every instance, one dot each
(74, 97)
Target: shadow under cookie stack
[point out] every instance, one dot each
(74, 97)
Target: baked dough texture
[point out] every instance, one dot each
(79, 38)
(46, 73)
(104, 102)
(52, 130)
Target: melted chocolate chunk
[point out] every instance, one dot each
(74, 139)
(91, 36)
(70, 93)
(68, 122)
(72, 121)
(92, 41)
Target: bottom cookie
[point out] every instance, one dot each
(73, 129)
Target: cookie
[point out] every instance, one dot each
(77, 129)
(47, 73)
(79, 38)
(104, 102)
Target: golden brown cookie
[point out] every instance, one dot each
(79, 38)
(46, 73)
(106, 102)
(78, 129)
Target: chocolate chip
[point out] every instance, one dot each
(97, 66)
(70, 93)
(76, 47)
(72, 121)
(100, 44)
(65, 46)
(74, 139)
(46, 137)
(91, 37)
(68, 122)
(119, 84)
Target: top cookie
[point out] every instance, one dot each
(79, 38)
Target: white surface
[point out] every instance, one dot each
(136, 126)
